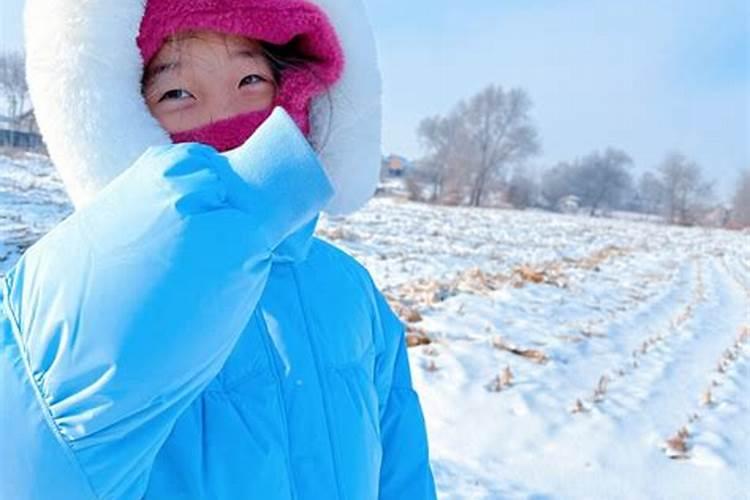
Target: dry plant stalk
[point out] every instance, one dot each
(550, 275)
(337, 233)
(601, 388)
(534, 355)
(597, 258)
(507, 376)
(677, 446)
(409, 314)
(579, 407)
(418, 339)
(496, 385)
(590, 332)
(525, 273)
(707, 399)
(430, 350)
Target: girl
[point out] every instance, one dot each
(183, 334)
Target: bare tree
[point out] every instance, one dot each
(598, 180)
(557, 183)
(468, 150)
(14, 92)
(499, 132)
(522, 190)
(741, 200)
(602, 179)
(444, 140)
(651, 193)
(685, 191)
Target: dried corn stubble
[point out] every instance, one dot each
(476, 280)
(601, 388)
(337, 233)
(417, 339)
(406, 313)
(416, 336)
(579, 407)
(430, 350)
(597, 258)
(534, 355)
(549, 275)
(506, 378)
(677, 446)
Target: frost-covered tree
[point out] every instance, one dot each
(741, 200)
(685, 191)
(602, 179)
(469, 150)
(557, 183)
(500, 134)
(444, 141)
(522, 190)
(14, 91)
(598, 179)
(651, 193)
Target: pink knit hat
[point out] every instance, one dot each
(273, 21)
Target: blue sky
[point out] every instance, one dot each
(645, 76)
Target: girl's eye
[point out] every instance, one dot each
(174, 94)
(250, 79)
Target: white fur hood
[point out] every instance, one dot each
(84, 70)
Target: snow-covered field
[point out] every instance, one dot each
(32, 201)
(570, 357)
(559, 357)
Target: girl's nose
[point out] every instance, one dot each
(224, 105)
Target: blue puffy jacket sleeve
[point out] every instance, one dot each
(405, 470)
(113, 322)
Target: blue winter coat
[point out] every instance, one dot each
(185, 336)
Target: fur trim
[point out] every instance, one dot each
(84, 69)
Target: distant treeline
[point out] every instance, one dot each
(478, 155)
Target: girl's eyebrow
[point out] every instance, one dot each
(160, 69)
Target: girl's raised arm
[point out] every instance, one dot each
(116, 320)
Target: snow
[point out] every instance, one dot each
(643, 312)
(32, 201)
(565, 351)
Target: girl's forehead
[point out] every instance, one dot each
(185, 44)
(205, 37)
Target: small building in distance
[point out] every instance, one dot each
(394, 165)
(22, 133)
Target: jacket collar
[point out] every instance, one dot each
(295, 247)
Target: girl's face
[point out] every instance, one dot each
(203, 77)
